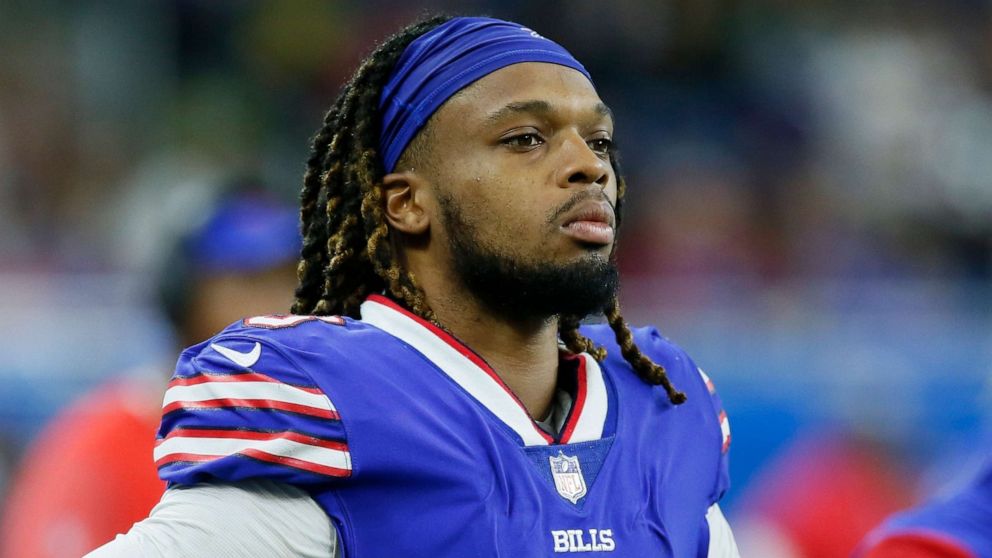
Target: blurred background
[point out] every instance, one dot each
(810, 213)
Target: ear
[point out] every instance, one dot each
(404, 194)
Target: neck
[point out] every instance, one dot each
(522, 351)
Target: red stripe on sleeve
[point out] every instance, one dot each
(251, 404)
(204, 377)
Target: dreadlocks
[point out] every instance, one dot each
(347, 254)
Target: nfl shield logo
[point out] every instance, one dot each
(568, 477)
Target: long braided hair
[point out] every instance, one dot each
(347, 254)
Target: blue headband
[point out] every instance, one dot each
(445, 60)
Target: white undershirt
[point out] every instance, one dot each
(561, 405)
(249, 518)
(266, 518)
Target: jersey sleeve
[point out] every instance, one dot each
(700, 390)
(716, 536)
(723, 476)
(238, 408)
(720, 539)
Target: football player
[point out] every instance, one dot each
(433, 392)
(88, 476)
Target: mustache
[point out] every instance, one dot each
(581, 197)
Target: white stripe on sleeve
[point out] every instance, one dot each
(246, 390)
(218, 447)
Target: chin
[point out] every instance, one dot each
(592, 253)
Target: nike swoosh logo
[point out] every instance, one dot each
(244, 360)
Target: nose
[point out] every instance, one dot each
(581, 165)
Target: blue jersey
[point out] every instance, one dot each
(413, 445)
(963, 521)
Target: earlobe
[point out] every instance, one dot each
(403, 194)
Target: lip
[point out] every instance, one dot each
(591, 222)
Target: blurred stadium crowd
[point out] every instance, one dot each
(810, 207)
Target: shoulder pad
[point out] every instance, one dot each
(237, 407)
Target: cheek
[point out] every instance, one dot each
(494, 210)
(503, 213)
(506, 205)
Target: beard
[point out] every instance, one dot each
(512, 285)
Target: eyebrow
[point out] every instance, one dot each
(538, 107)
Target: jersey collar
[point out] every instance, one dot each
(585, 421)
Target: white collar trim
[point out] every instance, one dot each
(469, 371)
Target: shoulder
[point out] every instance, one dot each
(286, 346)
(681, 369)
(294, 332)
(702, 417)
(245, 404)
(647, 338)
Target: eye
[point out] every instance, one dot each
(523, 141)
(601, 146)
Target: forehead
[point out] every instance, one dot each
(561, 87)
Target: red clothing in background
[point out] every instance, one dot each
(88, 476)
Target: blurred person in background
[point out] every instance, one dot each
(958, 525)
(820, 495)
(955, 518)
(90, 474)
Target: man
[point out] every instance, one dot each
(957, 526)
(88, 475)
(433, 393)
